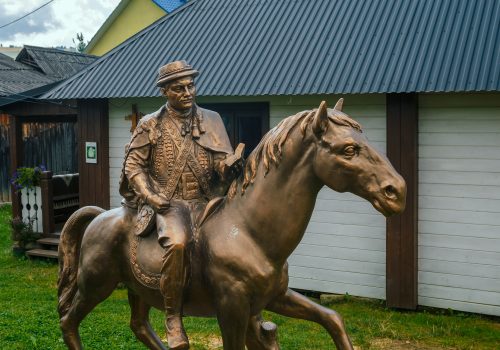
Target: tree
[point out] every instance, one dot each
(80, 47)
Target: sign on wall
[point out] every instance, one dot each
(91, 152)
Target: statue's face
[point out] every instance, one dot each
(180, 93)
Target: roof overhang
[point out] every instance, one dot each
(26, 95)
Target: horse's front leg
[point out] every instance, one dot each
(233, 313)
(293, 304)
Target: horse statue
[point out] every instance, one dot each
(241, 242)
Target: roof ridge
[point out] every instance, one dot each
(59, 51)
(122, 45)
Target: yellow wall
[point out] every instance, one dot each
(137, 15)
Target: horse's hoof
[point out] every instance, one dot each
(178, 342)
(176, 336)
(178, 346)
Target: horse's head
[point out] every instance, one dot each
(345, 161)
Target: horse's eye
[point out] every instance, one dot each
(350, 151)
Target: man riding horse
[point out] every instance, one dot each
(174, 164)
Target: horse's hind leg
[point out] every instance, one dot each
(139, 322)
(80, 307)
(261, 335)
(293, 304)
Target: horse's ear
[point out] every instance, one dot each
(339, 104)
(320, 121)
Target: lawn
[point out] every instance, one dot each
(28, 318)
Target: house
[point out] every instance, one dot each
(129, 17)
(423, 79)
(32, 131)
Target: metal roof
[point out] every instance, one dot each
(16, 77)
(169, 5)
(35, 70)
(54, 63)
(275, 47)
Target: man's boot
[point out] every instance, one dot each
(172, 288)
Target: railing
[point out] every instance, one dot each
(54, 200)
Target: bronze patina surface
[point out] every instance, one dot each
(176, 161)
(237, 256)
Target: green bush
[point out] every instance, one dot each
(22, 232)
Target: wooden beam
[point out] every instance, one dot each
(402, 230)
(47, 202)
(93, 126)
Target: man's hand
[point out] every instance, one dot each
(158, 202)
(234, 162)
(236, 168)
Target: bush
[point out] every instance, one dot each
(22, 232)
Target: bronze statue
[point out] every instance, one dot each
(241, 242)
(174, 164)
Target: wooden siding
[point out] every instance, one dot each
(459, 202)
(16, 153)
(343, 250)
(5, 173)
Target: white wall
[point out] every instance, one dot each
(459, 202)
(343, 250)
(119, 136)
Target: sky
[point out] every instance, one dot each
(54, 25)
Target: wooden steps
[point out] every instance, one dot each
(48, 247)
(42, 253)
(48, 241)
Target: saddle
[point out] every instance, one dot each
(145, 252)
(144, 221)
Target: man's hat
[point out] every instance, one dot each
(175, 70)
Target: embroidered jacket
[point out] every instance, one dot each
(155, 150)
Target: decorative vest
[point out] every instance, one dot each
(193, 172)
(165, 140)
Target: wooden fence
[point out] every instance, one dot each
(4, 159)
(53, 145)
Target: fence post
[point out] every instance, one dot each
(47, 202)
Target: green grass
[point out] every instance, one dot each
(28, 318)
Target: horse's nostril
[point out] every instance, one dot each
(390, 192)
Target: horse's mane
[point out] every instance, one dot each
(269, 150)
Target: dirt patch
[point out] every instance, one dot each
(385, 344)
(211, 342)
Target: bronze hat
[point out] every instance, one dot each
(175, 70)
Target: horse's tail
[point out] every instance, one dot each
(69, 254)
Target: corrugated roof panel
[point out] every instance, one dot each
(257, 47)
